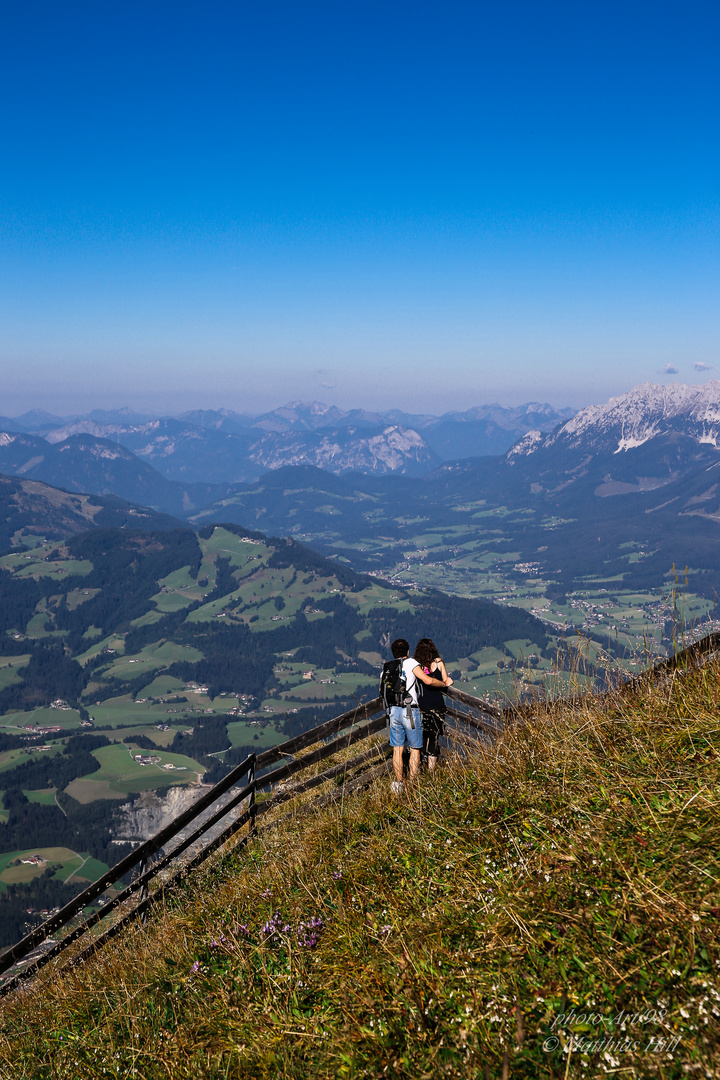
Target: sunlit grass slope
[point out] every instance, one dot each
(563, 884)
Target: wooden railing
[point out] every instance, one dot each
(473, 719)
(236, 791)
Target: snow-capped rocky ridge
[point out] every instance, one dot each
(526, 445)
(633, 419)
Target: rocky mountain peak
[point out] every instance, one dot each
(629, 420)
(526, 445)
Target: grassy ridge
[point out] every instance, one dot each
(562, 885)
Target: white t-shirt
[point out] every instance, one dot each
(409, 666)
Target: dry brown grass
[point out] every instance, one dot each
(572, 867)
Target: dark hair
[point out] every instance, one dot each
(400, 648)
(426, 651)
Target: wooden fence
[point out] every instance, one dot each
(211, 813)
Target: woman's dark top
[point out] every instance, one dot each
(431, 699)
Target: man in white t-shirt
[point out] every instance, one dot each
(406, 720)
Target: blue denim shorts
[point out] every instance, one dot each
(402, 730)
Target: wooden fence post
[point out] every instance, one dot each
(251, 804)
(143, 891)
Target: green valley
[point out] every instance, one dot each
(601, 567)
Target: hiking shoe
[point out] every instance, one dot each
(396, 787)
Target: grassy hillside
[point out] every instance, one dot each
(121, 624)
(557, 890)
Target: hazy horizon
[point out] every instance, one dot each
(284, 405)
(326, 403)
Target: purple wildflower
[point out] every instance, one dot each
(274, 927)
(337, 874)
(308, 932)
(196, 967)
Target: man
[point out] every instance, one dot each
(399, 687)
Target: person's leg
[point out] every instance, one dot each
(397, 741)
(431, 729)
(415, 741)
(414, 763)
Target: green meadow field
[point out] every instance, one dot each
(66, 864)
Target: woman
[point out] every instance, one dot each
(431, 700)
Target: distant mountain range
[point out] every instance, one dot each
(220, 446)
(640, 441)
(86, 464)
(637, 442)
(643, 468)
(625, 489)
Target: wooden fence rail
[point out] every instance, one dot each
(38, 947)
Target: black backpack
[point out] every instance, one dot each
(393, 685)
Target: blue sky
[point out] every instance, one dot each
(428, 206)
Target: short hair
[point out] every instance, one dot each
(400, 648)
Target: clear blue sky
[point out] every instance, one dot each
(423, 205)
